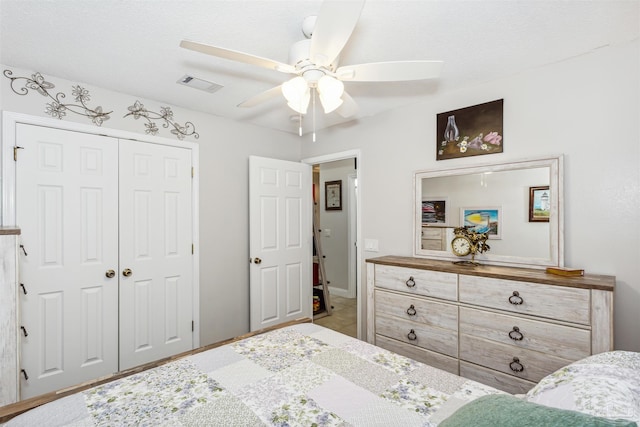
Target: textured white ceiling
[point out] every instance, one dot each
(132, 46)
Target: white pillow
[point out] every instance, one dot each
(604, 385)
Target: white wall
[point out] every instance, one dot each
(586, 108)
(225, 147)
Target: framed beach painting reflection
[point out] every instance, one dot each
(483, 220)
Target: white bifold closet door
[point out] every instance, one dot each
(91, 207)
(155, 245)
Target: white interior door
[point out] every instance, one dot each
(280, 208)
(156, 299)
(67, 208)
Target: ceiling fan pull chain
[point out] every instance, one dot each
(299, 124)
(313, 107)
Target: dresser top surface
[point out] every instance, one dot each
(4, 231)
(588, 281)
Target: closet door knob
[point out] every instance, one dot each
(127, 272)
(257, 261)
(110, 274)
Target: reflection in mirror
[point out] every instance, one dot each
(494, 198)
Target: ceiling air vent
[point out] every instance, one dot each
(196, 83)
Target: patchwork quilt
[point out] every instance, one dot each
(302, 375)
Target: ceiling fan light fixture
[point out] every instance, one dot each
(329, 104)
(296, 92)
(300, 106)
(330, 90)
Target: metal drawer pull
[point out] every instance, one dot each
(515, 334)
(516, 366)
(412, 335)
(411, 311)
(26, 377)
(24, 331)
(411, 283)
(516, 299)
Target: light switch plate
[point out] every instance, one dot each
(371, 245)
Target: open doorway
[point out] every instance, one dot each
(338, 236)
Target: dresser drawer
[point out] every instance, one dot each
(427, 312)
(496, 379)
(508, 359)
(431, 358)
(433, 233)
(563, 341)
(429, 283)
(443, 341)
(433, 245)
(553, 302)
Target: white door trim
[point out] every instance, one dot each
(9, 123)
(352, 219)
(351, 154)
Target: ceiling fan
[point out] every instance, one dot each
(314, 62)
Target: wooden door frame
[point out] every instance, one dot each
(9, 122)
(360, 296)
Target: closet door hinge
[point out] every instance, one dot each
(193, 249)
(193, 172)
(193, 325)
(15, 152)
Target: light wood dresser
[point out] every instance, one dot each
(8, 315)
(503, 326)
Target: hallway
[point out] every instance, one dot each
(343, 316)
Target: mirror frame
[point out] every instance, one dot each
(556, 216)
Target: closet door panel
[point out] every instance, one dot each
(67, 207)
(156, 299)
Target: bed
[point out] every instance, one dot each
(305, 375)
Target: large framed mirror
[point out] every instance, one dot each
(520, 205)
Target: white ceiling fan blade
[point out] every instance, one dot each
(393, 71)
(349, 108)
(261, 97)
(238, 56)
(334, 25)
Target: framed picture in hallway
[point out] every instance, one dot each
(333, 195)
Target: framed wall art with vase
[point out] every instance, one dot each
(470, 131)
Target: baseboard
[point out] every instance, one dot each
(340, 292)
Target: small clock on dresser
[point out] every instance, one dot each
(467, 242)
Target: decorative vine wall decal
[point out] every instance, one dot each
(137, 110)
(57, 108)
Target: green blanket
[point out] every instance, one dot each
(501, 410)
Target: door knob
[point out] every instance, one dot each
(127, 272)
(257, 260)
(110, 273)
